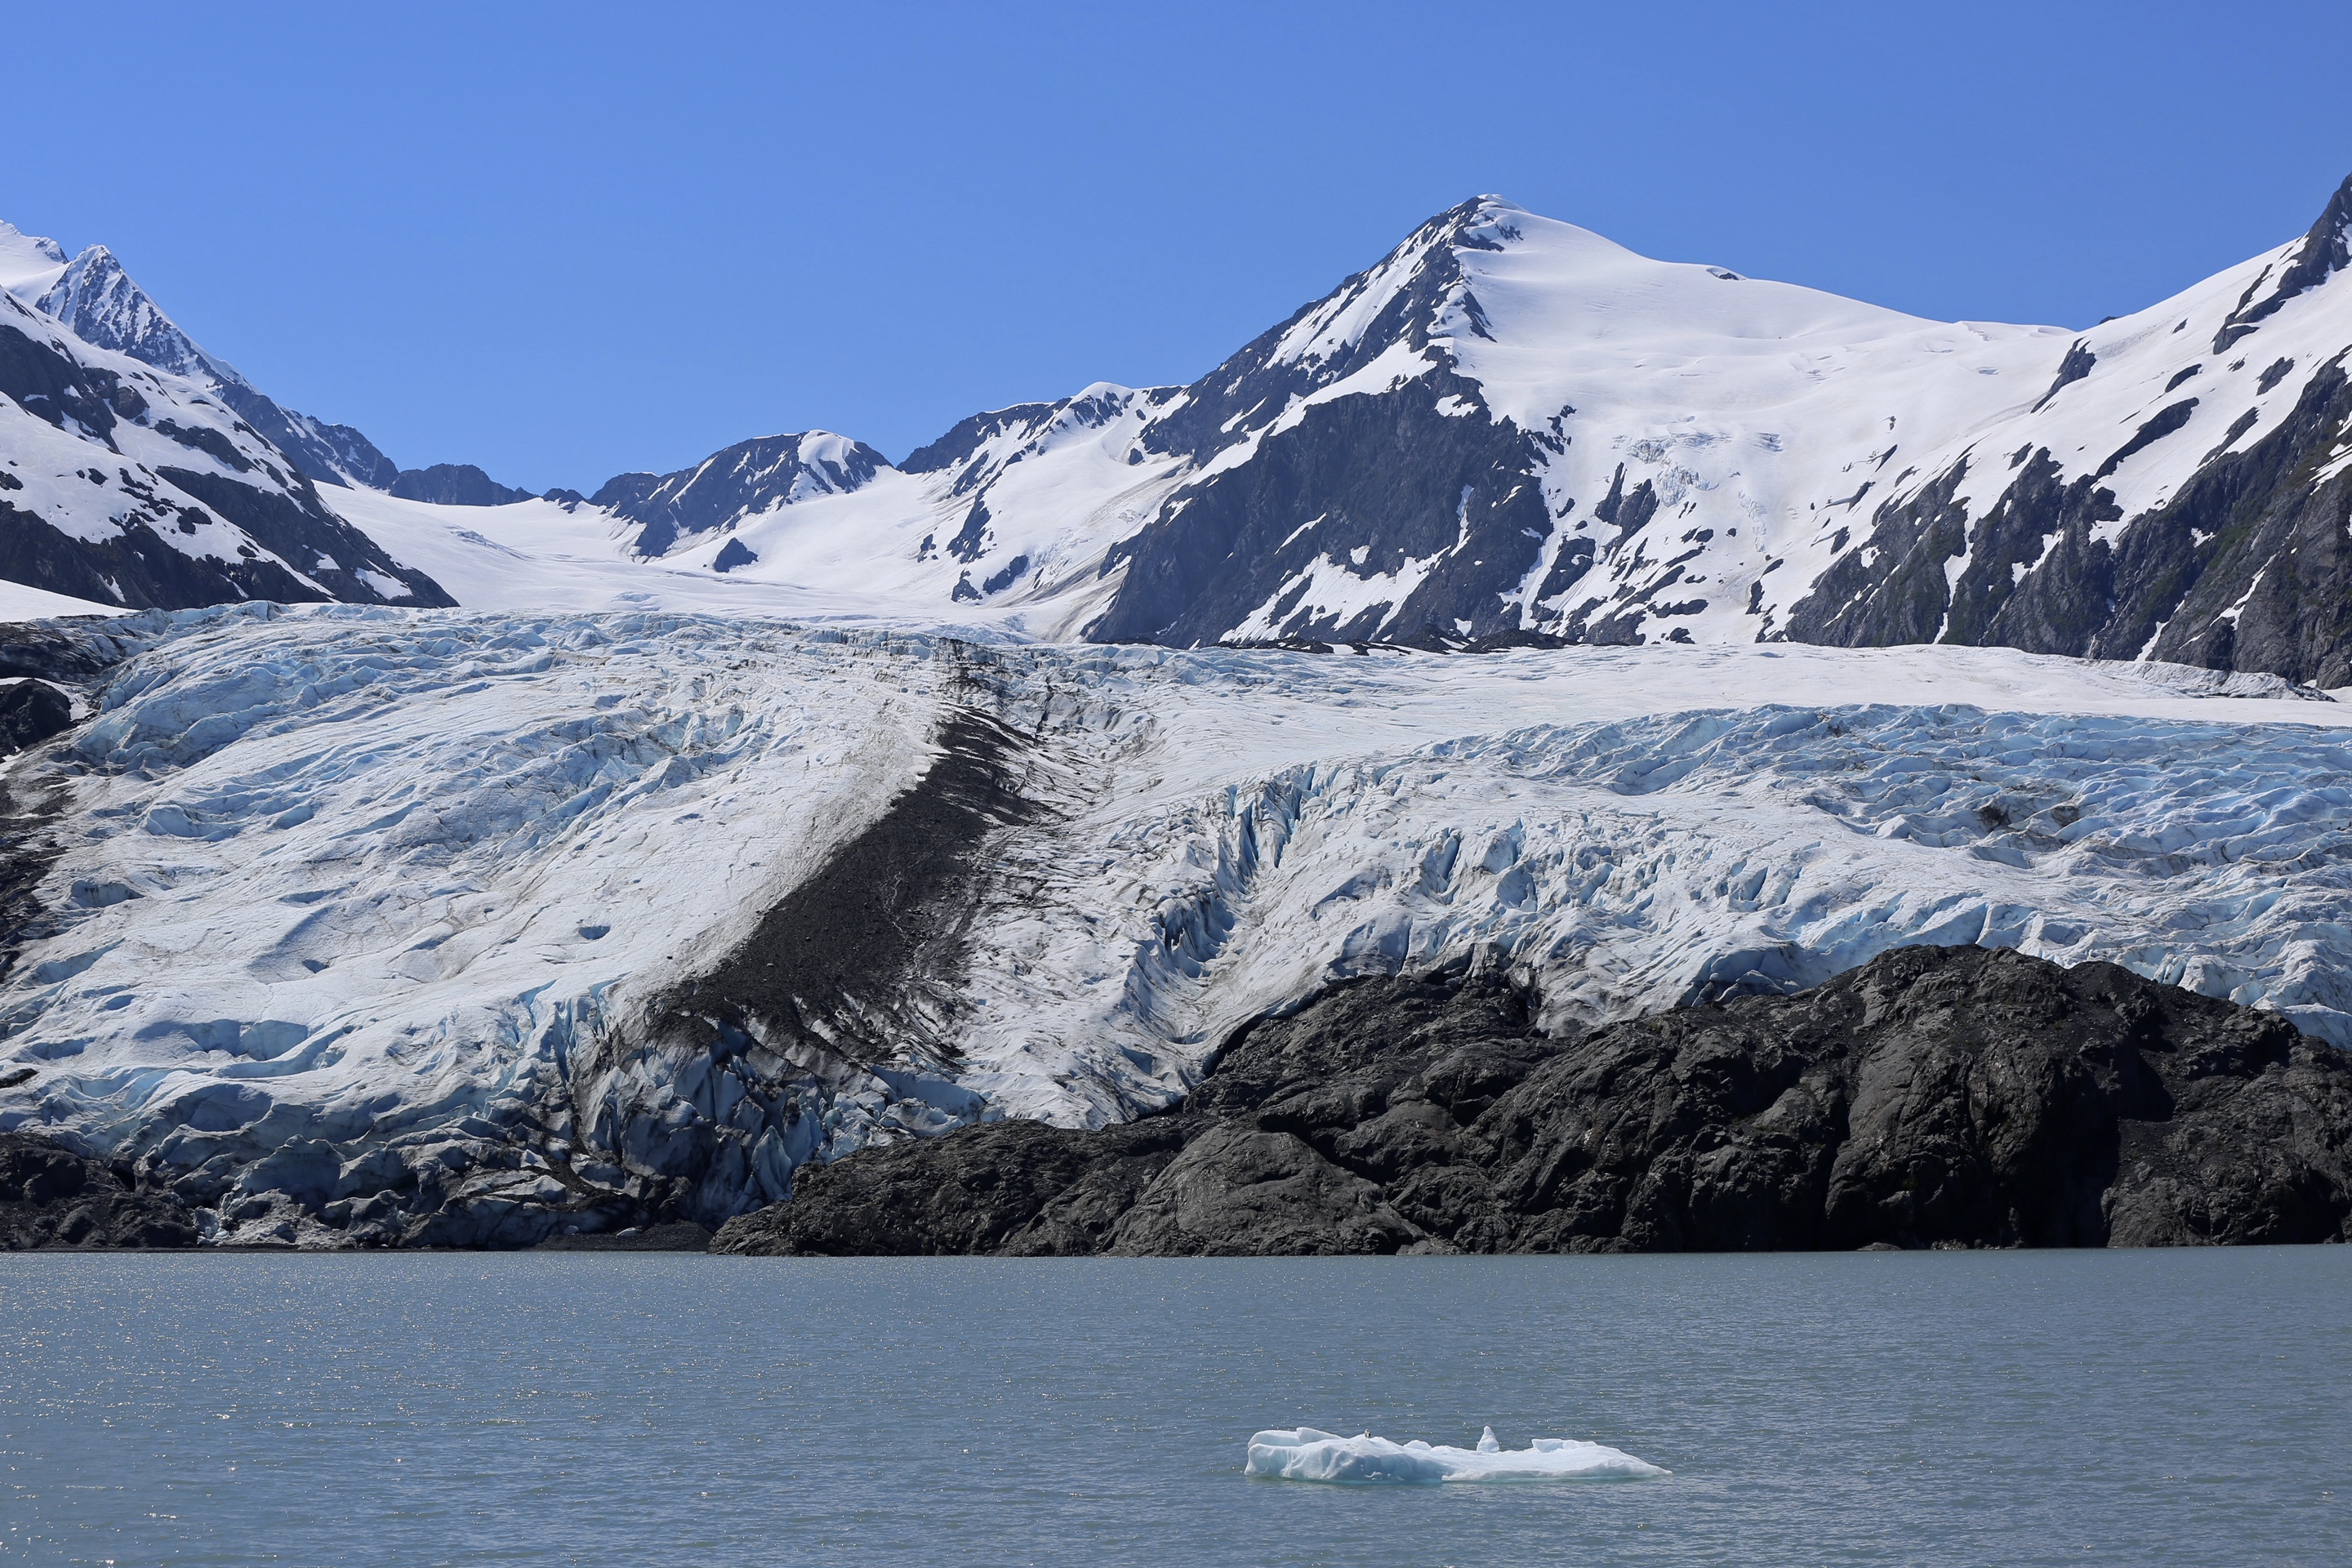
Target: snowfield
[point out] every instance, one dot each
(383, 925)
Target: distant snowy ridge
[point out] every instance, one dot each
(384, 926)
(1512, 429)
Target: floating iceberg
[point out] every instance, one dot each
(1304, 1454)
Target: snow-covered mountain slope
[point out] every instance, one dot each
(29, 264)
(2180, 492)
(100, 302)
(382, 925)
(125, 485)
(747, 479)
(1511, 427)
(93, 297)
(1010, 517)
(20, 603)
(545, 556)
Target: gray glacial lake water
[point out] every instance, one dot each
(2188, 1408)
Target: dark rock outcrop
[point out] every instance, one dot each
(51, 1197)
(454, 484)
(1936, 1096)
(2246, 567)
(1397, 478)
(327, 454)
(30, 712)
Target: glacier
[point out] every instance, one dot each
(369, 926)
(1304, 1454)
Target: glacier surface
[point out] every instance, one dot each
(380, 926)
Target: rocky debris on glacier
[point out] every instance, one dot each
(360, 1048)
(51, 1197)
(1936, 1096)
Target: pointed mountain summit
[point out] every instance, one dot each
(28, 263)
(100, 304)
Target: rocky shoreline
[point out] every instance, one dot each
(53, 1197)
(1933, 1098)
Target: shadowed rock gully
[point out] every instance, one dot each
(1936, 1096)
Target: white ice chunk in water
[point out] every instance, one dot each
(1304, 1454)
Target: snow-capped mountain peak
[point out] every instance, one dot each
(28, 263)
(121, 483)
(1510, 427)
(98, 300)
(2324, 250)
(100, 304)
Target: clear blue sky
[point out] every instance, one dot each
(566, 241)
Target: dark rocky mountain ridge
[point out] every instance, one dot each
(125, 486)
(728, 486)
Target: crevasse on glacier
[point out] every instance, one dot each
(370, 925)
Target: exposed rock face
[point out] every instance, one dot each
(2245, 568)
(50, 1197)
(454, 484)
(1936, 1096)
(30, 712)
(1458, 507)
